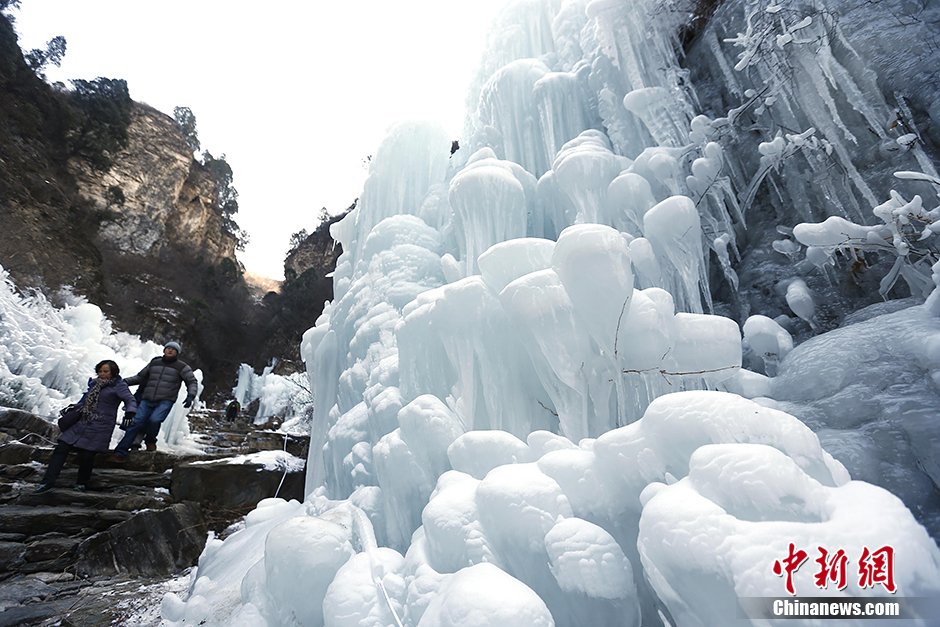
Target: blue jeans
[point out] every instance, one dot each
(150, 415)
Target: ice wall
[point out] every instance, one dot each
(519, 387)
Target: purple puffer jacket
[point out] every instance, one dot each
(95, 434)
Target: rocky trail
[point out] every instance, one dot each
(106, 556)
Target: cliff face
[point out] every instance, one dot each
(168, 265)
(43, 235)
(306, 287)
(142, 238)
(317, 252)
(155, 195)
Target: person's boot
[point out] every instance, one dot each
(117, 458)
(43, 487)
(151, 446)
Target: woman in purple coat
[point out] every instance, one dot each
(92, 433)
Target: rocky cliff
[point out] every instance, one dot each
(308, 284)
(155, 195)
(136, 230)
(316, 252)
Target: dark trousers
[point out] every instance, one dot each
(86, 461)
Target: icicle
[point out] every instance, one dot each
(674, 228)
(509, 106)
(923, 161)
(666, 119)
(720, 246)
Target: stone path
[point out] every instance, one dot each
(99, 557)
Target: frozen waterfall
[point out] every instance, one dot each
(527, 408)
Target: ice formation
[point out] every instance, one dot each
(286, 398)
(48, 353)
(526, 410)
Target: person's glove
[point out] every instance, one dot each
(128, 419)
(188, 402)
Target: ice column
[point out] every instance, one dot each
(411, 159)
(593, 263)
(490, 199)
(666, 120)
(561, 98)
(509, 107)
(629, 197)
(560, 348)
(674, 229)
(583, 170)
(458, 344)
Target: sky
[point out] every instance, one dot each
(295, 94)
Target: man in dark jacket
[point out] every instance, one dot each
(160, 382)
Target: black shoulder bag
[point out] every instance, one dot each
(68, 416)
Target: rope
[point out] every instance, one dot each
(366, 535)
(20, 441)
(286, 467)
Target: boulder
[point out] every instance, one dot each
(221, 486)
(18, 423)
(151, 543)
(297, 445)
(15, 453)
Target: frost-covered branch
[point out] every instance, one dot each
(548, 409)
(907, 230)
(666, 373)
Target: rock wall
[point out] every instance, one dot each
(318, 251)
(155, 194)
(143, 239)
(307, 286)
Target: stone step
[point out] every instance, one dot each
(13, 453)
(116, 498)
(145, 461)
(49, 553)
(16, 454)
(221, 452)
(93, 541)
(11, 473)
(109, 479)
(36, 613)
(35, 520)
(222, 438)
(200, 422)
(145, 516)
(48, 599)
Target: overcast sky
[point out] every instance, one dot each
(295, 94)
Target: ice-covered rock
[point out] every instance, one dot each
(482, 595)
